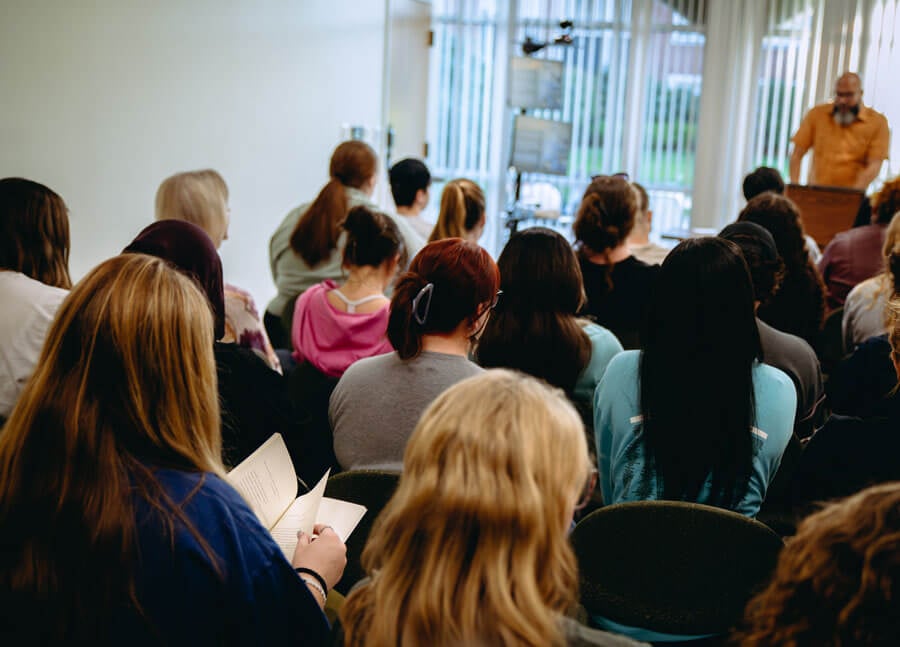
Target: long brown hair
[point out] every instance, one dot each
(34, 232)
(462, 208)
(837, 582)
(316, 233)
(126, 381)
(472, 547)
(534, 328)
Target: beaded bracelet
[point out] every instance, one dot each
(311, 583)
(319, 578)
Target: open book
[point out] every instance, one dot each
(267, 481)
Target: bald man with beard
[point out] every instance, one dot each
(849, 140)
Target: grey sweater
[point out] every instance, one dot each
(377, 403)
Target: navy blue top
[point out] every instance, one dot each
(255, 598)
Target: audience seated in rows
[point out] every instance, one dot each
(639, 239)
(855, 255)
(117, 524)
(617, 284)
(850, 453)
(410, 182)
(34, 278)
(254, 401)
(201, 198)
(462, 212)
(472, 549)
(864, 313)
(798, 307)
(694, 416)
(438, 309)
(334, 326)
(837, 580)
(534, 328)
(765, 179)
(307, 248)
(784, 351)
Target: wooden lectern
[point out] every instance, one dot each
(826, 210)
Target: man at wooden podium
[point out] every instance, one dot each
(849, 140)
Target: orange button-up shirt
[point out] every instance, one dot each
(840, 153)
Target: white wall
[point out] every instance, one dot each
(102, 100)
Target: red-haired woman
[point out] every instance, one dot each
(307, 248)
(439, 307)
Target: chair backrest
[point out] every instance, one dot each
(673, 567)
(373, 489)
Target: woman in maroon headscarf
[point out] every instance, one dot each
(253, 397)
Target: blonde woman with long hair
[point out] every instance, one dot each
(201, 198)
(115, 523)
(472, 548)
(462, 213)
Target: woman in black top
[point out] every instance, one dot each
(616, 283)
(798, 307)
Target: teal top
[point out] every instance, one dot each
(604, 346)
(624, 475)
(291, 273)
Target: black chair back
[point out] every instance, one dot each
(672, 567)
(373, 489)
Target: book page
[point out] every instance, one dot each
(342, 516)
(266, 480)
(301, 515)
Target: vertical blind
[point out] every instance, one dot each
(632, 83)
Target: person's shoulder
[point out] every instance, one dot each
(823, 110)
(624, 364)
(205, 491)
(771, 376)
(864, 289)
(876, 116)
(363, 369)
(19, 285)
(317, 290)
(599, 335)
(781, 341)
(775, 390)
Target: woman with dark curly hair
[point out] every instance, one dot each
(837, 582)
(616, 283)
(798, 307)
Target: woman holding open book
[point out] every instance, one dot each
(115, 523)
(472, 549)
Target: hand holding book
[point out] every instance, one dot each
(268, 482)
(325, 553)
